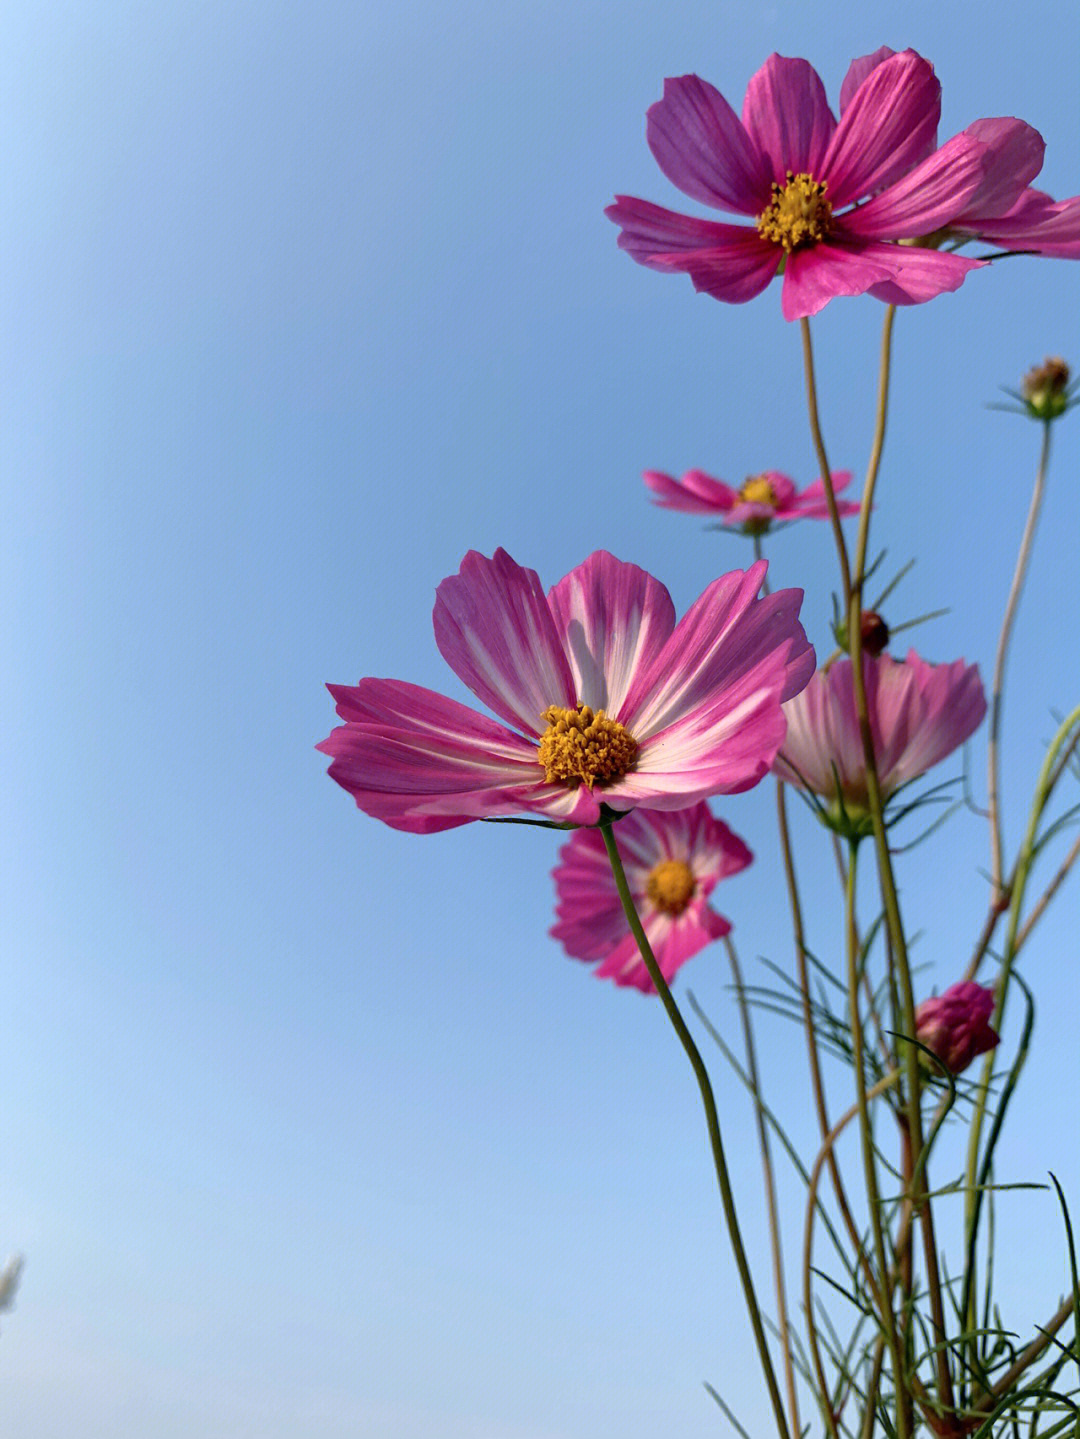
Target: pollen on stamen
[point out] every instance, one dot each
(798, 213)
(670, 886)
(757, 490)
(581, 746)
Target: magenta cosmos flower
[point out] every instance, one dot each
(956, 1025)
(612, 702)
(755, 506)
(672, 861)
(919, 713)
(800, 174)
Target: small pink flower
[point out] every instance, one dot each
(614, 703)
(758, 503)
(956, 1025)
(919, 713)
(800, 175)
(672, 861)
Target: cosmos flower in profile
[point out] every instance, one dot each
(919, 714)
(673, 860)
(760, 501)
(612, 703)
(829, 199)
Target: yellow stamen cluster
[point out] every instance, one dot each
(580, 747)
(670, 886)
(758, 491)
(798, 214)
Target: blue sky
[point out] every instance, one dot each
(308, 1129)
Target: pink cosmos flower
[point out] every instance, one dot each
(758, 503)
(800, 174)
(672, 863)
(956, 1025)
(613, 703)
(919, 713)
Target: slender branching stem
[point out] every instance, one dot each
(825, 1157)
(873, 1194)
(1026, 1359)
(870, 1412)
(997, 695)
(823, 461)
(817, 1085)
(1024, 860)
(712, 1121)
(1039, 908)
(770, 1187)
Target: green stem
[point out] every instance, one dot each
(782, 1322)
(1024, 860)
(823, 460)
(873, 1194)
(992, 759)
(824, 1158)
(712, 1121)
(817, 1083)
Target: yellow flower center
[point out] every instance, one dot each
(758, 491)
(580, 747)
(798, 213)
(670, 886)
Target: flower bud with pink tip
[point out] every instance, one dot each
(955, 1026)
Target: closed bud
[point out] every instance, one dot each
(875, 633)
(955, 1026)
(1046, 389)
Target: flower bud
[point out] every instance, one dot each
(875, 633)
(1046, 389)
(955, 1026)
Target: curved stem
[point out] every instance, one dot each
(712, 1120)
(1048, 893)
(1015, 590)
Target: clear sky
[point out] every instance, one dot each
(308, 1130)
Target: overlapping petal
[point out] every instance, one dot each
(1035, 223)
(885, 128)
(926, 197)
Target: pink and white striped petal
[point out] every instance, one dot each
(494, 629)
(613, 619)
